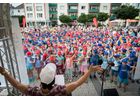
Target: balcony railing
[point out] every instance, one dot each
(93, 10)
(53, 18)
(73, 17)
(52, 5)
(53, 12)
(72, 10)
(72, 3)
(112, 17)
(116, 4)
(94, 3)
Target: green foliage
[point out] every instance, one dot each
(20, 18)
(61, 25)
(126, 12)
(82, 18)
(90, 17)
(65, 19)
(102, 16)
(99, 24)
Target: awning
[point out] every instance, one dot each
(137, 17)
(128, 20)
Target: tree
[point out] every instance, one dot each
(126, 12)
(65, 19)
(82, 18)
(20, 18)
(90, 17)
(102, 17)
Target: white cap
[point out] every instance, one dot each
(48, 73)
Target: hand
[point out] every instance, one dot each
(95, 68)
(1, 69)
(130, 72)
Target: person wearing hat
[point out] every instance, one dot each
(84, 64)
(47, 77)
(94, 57)
(123, 53)
(38, 62)
(69, 64)
(75, 66)
(123, 75)
(60, 63)
(114, 70)
(29, 66)
(131, 62)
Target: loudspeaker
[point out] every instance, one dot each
(110, 92)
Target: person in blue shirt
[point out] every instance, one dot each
(131, 62)
(114, 70)
(123, 75)
(94, 59)
(29, 65)
(105, 59)
(38, 62)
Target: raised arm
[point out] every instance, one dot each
(13, 82)
(72, 86)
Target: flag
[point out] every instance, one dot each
(23, 23)
(95, 22)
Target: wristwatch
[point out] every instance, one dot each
(3, 72)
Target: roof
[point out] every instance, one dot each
(19, 7)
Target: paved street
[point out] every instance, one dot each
(88, 89)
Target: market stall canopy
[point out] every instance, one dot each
(128, 20)
(137, 17)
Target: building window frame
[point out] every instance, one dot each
(29, 15)
(39, 15)
(62, 7)
(104, 7)
(29, 9)
(39, 8)
(83, 7)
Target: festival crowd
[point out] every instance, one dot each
(74, 49)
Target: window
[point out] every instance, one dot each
(139, 5)
(38, 3)
(39, 8)
(93, 7)
(72, 14)
(53, 9)
(127, 4)
(61, 14)
(83, 7)
(114, 7)
(82, 13)
(18, 10)
(28, 3)
(39, 15)
(105, 8)
(13, 12)
(29, 8)
(53, 15)
(72, 7)
(112, 15)
(30, 15)
(61, 7)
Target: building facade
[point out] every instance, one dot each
(48, 13)
(19, 10)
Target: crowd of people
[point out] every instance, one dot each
(74, 49)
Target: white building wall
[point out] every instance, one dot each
(47, 11)
(82, 10)
(106, 11)
(15, 12)
(36, 12)
(29, 19)
(61, 11)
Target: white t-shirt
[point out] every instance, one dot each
(68, 63)
(84, 62)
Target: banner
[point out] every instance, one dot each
(19, 54)
(137, 70)
(23, 23)
(95, 22)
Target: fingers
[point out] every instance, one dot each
(99, 69)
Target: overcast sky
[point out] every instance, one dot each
(15, 4)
